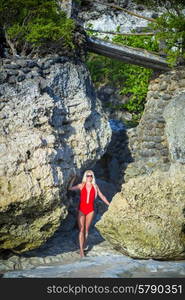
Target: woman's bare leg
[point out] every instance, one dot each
(88, 221)
(81, 225)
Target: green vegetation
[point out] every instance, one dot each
(169, 27)
(29, 24)
(172, 31)
(131, 80)
(136, 78)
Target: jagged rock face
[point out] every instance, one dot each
(152, 142)
(174, 116)
(51, 122)
(106, 18)
(146, 219)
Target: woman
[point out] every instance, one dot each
(88, 193)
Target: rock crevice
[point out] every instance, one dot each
(146, 218)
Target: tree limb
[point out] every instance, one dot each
(126, 34)
(10, 44)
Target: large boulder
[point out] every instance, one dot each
(174, 115)
(147, 218)
(159, 138)
(51, 125)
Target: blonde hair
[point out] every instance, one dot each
(84, 179)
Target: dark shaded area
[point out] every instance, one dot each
(113, 163)
(2, 44)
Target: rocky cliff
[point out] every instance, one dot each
(147, 218)
(149, 142)
(107, 18)
(52, 124)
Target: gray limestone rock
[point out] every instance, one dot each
(47, 131)
(146, 219)
(174, 115)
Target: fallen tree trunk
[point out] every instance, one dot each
(127, 54)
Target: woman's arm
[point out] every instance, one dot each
(102, 197)
(75, 187)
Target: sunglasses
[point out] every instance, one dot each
(89, 176)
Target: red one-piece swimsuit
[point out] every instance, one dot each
(85, 207)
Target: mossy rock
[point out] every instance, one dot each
(27, 221)
(147, 218)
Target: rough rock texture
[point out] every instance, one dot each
(106, 18)
(174, 115)
(51, 125)
(147, 218)
(150, 142)
(113, 163)
(111, 101)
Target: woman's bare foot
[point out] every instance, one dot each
(82, 254)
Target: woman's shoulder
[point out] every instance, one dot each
(96, 186)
